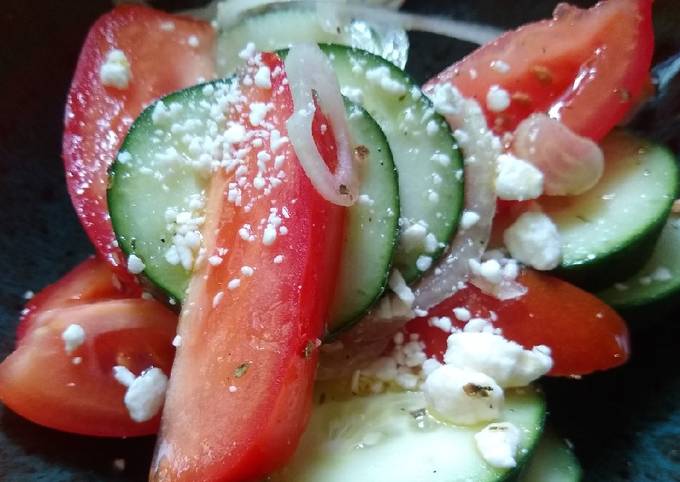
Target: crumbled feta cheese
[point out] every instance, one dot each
(135, 265)
(430, 365)
(497, 99)
(662, 274)
(423, 263)
(263, 78)
(441, 322)
(503, 360)
(463, 396)
(489, 270)
(500, 66)
(28, 295)
(398, 285)
(235, 133)
(413, 237)
(217, 299)
(469, 219)
(115, 71)
(177, 341)
(497, 443)
(534, 240)
(123, 375)
(146, 394)
(215, 260)
(73, 336)
(356, 95)
(258, 111)
(234, 283)
(77, 360)
(247, 271)
(269, 235)
(517, 179)
(193, 41)
(278, 259)
(462, 314)
(381, 77)
(478, 325)
(124, 157)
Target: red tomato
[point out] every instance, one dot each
(583, 67)
(584, 334)
(92, 280)
(40, 382)
(241, 388)
(97, 117)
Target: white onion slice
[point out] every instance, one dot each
(308, 70)
(481, 148)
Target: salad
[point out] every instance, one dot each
(309, 267)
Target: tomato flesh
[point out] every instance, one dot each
(41, 382)
(584, 334)
(98, 117)
(92, 280)
(243, 376)
(583, 67)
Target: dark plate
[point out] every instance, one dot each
(625, 424)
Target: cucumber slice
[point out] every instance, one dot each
(371, 228)
(425, 153)
(278, 27)
(658, 280)
(608, 232)
(389, 436)
(552, 461)
(143, 188)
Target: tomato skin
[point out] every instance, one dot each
(260, 339)
(583, 67)
(92, 280)
(40, 382)
(584, 334)
(97, 117)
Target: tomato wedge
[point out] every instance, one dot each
(42, 383)
(583, 67)
(584, 333)
(162, 59)
(92, 280)
(241, 387)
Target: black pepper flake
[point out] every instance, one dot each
(342, 189)
(241, 370)
(475, 390)
(419, 413)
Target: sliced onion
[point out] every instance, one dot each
(308, 71)
(481, 148)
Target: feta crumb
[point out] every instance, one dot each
(278, 259)
(258, 111)
(381, 77)
(235, 133)
(146, 394)
(192, 41)
(413, 237)
(462, 314)
(497, 99)
(423, 263)
(28, 295)
(263, 78)
(135, 265)
(115, 71)
(662, 274)
(463, 396)
(233, 389)
(441, 322)
(503, 360)
(500, 66)
(234, 283)
(356, 95)
(77, 360)
(124, 157)
(269, 235)
(497, 443)
(469, 219)
(533, 239)
(247, 271)
(217, 298)
(177, 341)
(517, 179)
(398, 285)
(123, 375)
(73, 336)
(215, 260)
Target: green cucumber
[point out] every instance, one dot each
(143, 188)
(608, 232)
(371, 228)
(552, 461)
(425, 153)
(278, 27)
(389, 436)
(658, 280)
